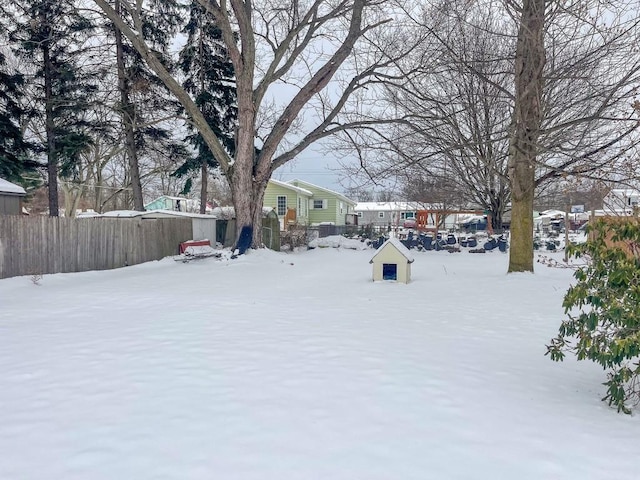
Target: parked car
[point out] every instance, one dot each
(409, 223)
(475, 224)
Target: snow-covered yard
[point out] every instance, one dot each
(297, 366)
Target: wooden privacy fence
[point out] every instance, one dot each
(41, 245)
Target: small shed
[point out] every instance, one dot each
(11, 196)
(392, 261)
(203, 226)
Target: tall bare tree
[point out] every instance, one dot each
(526, 124)
(576, 77)
(299, 44)
(512, 95)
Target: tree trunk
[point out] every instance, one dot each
(248, 196)
(521, 250)
(52, 160)
(127, 113)
(203, 187)
(523, 148)
(496, 207)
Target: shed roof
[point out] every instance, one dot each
(397, 244)
(153, 214)
(11, 188)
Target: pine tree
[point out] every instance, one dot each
(51, 37)
(209, 79)
(14, 151)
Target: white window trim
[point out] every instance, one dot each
(380, 214)
(325, 203)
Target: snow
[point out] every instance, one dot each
(8, 187)
(338, 241)
(297, 366)
(399, 246)
(151, 214)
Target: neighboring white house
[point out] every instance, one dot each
(404, 214)
(383, 214)
(621, 198)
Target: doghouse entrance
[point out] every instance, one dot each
(389, 271)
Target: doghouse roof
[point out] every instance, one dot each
(397, 245)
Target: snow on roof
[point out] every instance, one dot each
(153, 213)
(627, 192)
(227, 213)
(552, 213)
(292, 187)
(398, 245)
(8, 187)
(393, 206)
(332, 192)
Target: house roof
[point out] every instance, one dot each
(11, 188)
(627, 192)
(291, 187)
(393, 206)
(339, 195)
(397, 244)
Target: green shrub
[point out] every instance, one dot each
(603, 309)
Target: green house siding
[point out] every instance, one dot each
(301, 196)
(328, 214)
(332, 211)
(294, 199)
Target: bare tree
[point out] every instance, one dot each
(576, 76)
(526, 124)
(304, 44)
(509, 96)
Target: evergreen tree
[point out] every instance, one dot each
(209, 79)
(14, 150)
(52, 38)
(143, 97)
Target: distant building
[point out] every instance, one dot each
(11, 197)
(386, 214)
(621, 199)
(302, 203)
(176, 204)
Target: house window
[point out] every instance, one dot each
(380, 214)
(282, 205)
(389, 271)
(341, 208)
(319, 204)
(359, 214)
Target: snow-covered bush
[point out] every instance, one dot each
(603, 309)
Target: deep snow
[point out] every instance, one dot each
(298, 366)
